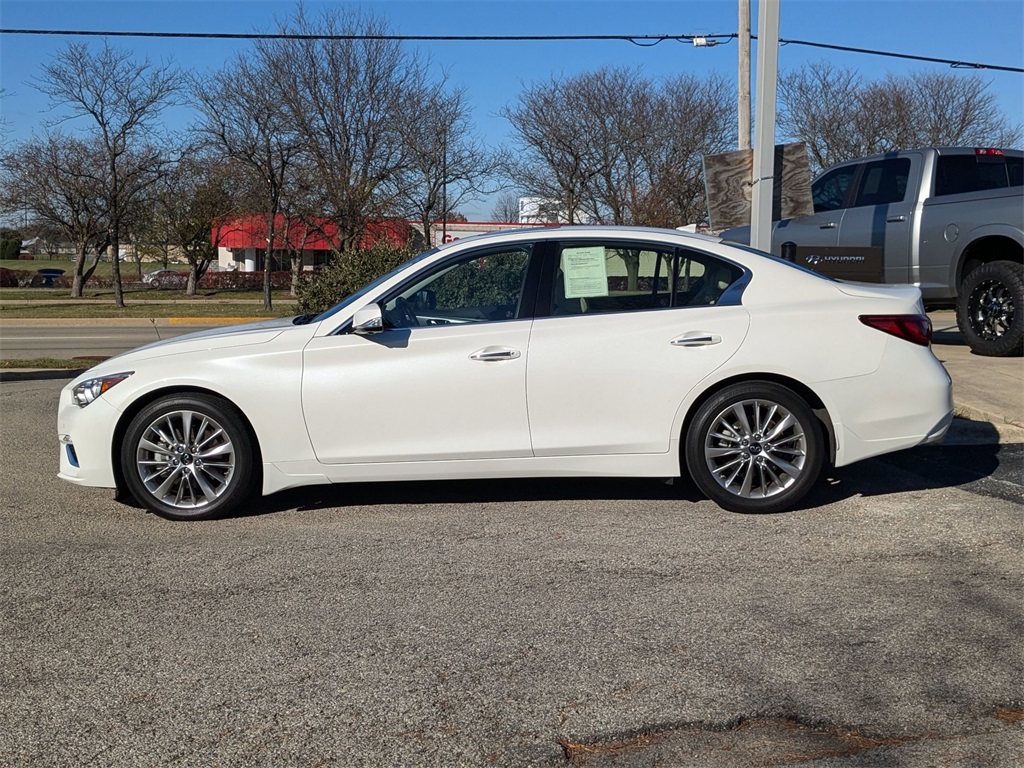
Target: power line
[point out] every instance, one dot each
(641, 40)
(955, 63)
(637, 39)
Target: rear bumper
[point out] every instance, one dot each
(906, 402)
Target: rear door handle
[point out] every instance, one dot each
(895, 219)
(830, 225)
(697, 339)
(494, 354)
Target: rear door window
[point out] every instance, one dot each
(593, 277)
(883, 182)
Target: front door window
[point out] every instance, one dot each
(484, 287)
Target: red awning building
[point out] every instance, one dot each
(241, 242)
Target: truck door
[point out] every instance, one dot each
(879, 224)
(818, 233)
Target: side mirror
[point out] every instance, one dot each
(368, 320)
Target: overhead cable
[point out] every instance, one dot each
(703, 40)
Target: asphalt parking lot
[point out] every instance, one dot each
(517, 623)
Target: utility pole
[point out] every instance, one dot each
(743, 108)
(764, 124)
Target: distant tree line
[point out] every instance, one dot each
(351, 131)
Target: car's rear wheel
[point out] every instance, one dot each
(189, 457)
(755, 447)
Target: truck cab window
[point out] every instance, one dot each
(883, 182)
(829, 192)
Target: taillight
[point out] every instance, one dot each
(916, 329)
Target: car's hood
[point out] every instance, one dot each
(214, 338)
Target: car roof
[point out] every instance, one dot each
(569, 231)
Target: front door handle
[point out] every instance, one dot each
(697, 339)
(895, 219)
(830, 225)
(494, 354)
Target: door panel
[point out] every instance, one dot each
(612, 383)
(882, 216)
(428, 393)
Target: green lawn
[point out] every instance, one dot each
(49, 363)
(68, 265)
(141, 302)
(72, 310)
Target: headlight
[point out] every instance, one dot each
(88, 391)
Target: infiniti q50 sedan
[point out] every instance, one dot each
(566, 351)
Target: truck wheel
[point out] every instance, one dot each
(990, 309)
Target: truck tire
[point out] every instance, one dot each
(990, 309)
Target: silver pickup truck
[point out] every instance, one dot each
(949, 220)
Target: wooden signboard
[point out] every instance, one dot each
(727, 181)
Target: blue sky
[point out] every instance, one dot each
(495, 72)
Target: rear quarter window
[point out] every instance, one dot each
(956, 174)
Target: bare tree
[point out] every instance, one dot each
(122, 99)
(197, 195)
(506, 207)
(820, 106)
(54, 179)
(303, 208)
(447, 165)
(620, 148)
(244, 121)
(841, 116)
(553, 157)
(349, 101)
(694, 118)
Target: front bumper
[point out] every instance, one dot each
(86, 436)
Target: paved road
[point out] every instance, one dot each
(515, 623)
(63, 340)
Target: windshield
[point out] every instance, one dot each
(348, 300)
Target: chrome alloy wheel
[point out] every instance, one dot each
(755, 449)
(185, 459)
(991, 309)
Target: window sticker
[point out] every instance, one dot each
(584, 272)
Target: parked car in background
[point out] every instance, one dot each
(43, 278)
(165, 278)
(949, 220)
(569, 351)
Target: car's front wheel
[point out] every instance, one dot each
(755, 447)
(189, 457)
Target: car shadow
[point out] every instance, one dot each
(986, 469)
(344, 495)
(971, 467)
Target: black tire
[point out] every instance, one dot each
(154, 284)
(204, 474)
(990, 309)
(778, 464)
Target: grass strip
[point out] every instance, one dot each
(51, 363)
(72, 310)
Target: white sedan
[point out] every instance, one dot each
(165, 278)
(569, 351)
